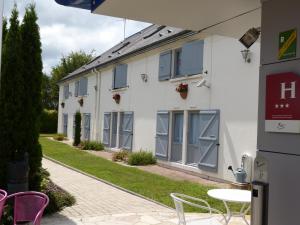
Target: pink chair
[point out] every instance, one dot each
(29, 206)
(3, 196)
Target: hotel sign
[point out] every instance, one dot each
(283, 103)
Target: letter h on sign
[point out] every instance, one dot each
(291, 89)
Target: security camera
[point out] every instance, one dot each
(203, 83)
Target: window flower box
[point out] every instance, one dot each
(183, 90)
(117, 98)
(80, 101)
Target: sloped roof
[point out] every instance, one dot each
(149, 37)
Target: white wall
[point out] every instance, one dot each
(234, 89)
(72, 105)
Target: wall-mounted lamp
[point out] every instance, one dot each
(246, 55)
(96, 87)
(144, 77)
(203, 83)
(250, 37)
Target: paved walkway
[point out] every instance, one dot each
(98, 203)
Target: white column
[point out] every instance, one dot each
(185, 136)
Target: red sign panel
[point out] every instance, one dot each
(283, 96)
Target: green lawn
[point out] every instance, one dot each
(147, 184)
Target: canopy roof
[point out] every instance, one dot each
(187, 14)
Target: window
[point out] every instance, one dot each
(111, 131)
(81, 87)
(188, 60)
(76, 88)
(119, 76)
(177, 63)
(66, 91)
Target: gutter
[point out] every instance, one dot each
(136, 52)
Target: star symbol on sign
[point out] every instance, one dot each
(276, 106)
(281, 106)
(287, 105)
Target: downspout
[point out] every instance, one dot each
(97, 104)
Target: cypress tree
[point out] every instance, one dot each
(32, 75)
(77, 136)
(11, 99)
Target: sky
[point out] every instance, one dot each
(64, 29)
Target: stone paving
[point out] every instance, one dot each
(98, 203)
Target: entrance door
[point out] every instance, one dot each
(114, 130)
(193, 146)
(177, 137)
(65, 124)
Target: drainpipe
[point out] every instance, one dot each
(97, 104)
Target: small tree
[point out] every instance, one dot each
(77, 135)
(12, 132)
(32, 104)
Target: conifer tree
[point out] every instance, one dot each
(32, 75)
(11, 100)
(77, 135)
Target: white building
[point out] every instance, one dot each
(205, 133)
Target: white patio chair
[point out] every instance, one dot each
(214, 216)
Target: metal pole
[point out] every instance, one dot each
(1, 25)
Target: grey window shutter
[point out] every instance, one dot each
(209, 139)
(74, 125)
(65, 124)
(113, 78)
(127, 130)
(192, 58)
(165, 65)
(87, 126)
(76, 88)
(83, 86)
(66, 91)
(120, 78)
(106, 129)
(162, 134)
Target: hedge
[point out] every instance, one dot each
(49, 122)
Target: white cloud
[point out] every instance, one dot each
(65, 29)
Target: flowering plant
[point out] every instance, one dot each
(80, 101)
(117, 97)
(182, 88)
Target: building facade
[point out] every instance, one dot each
(128, 99)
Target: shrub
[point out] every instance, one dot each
(120, 156)
(48, 121)
(77, 135)
(59, 137)
(58, 197)
(141, 158)
(92, 145)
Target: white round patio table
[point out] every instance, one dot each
(233, 195)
